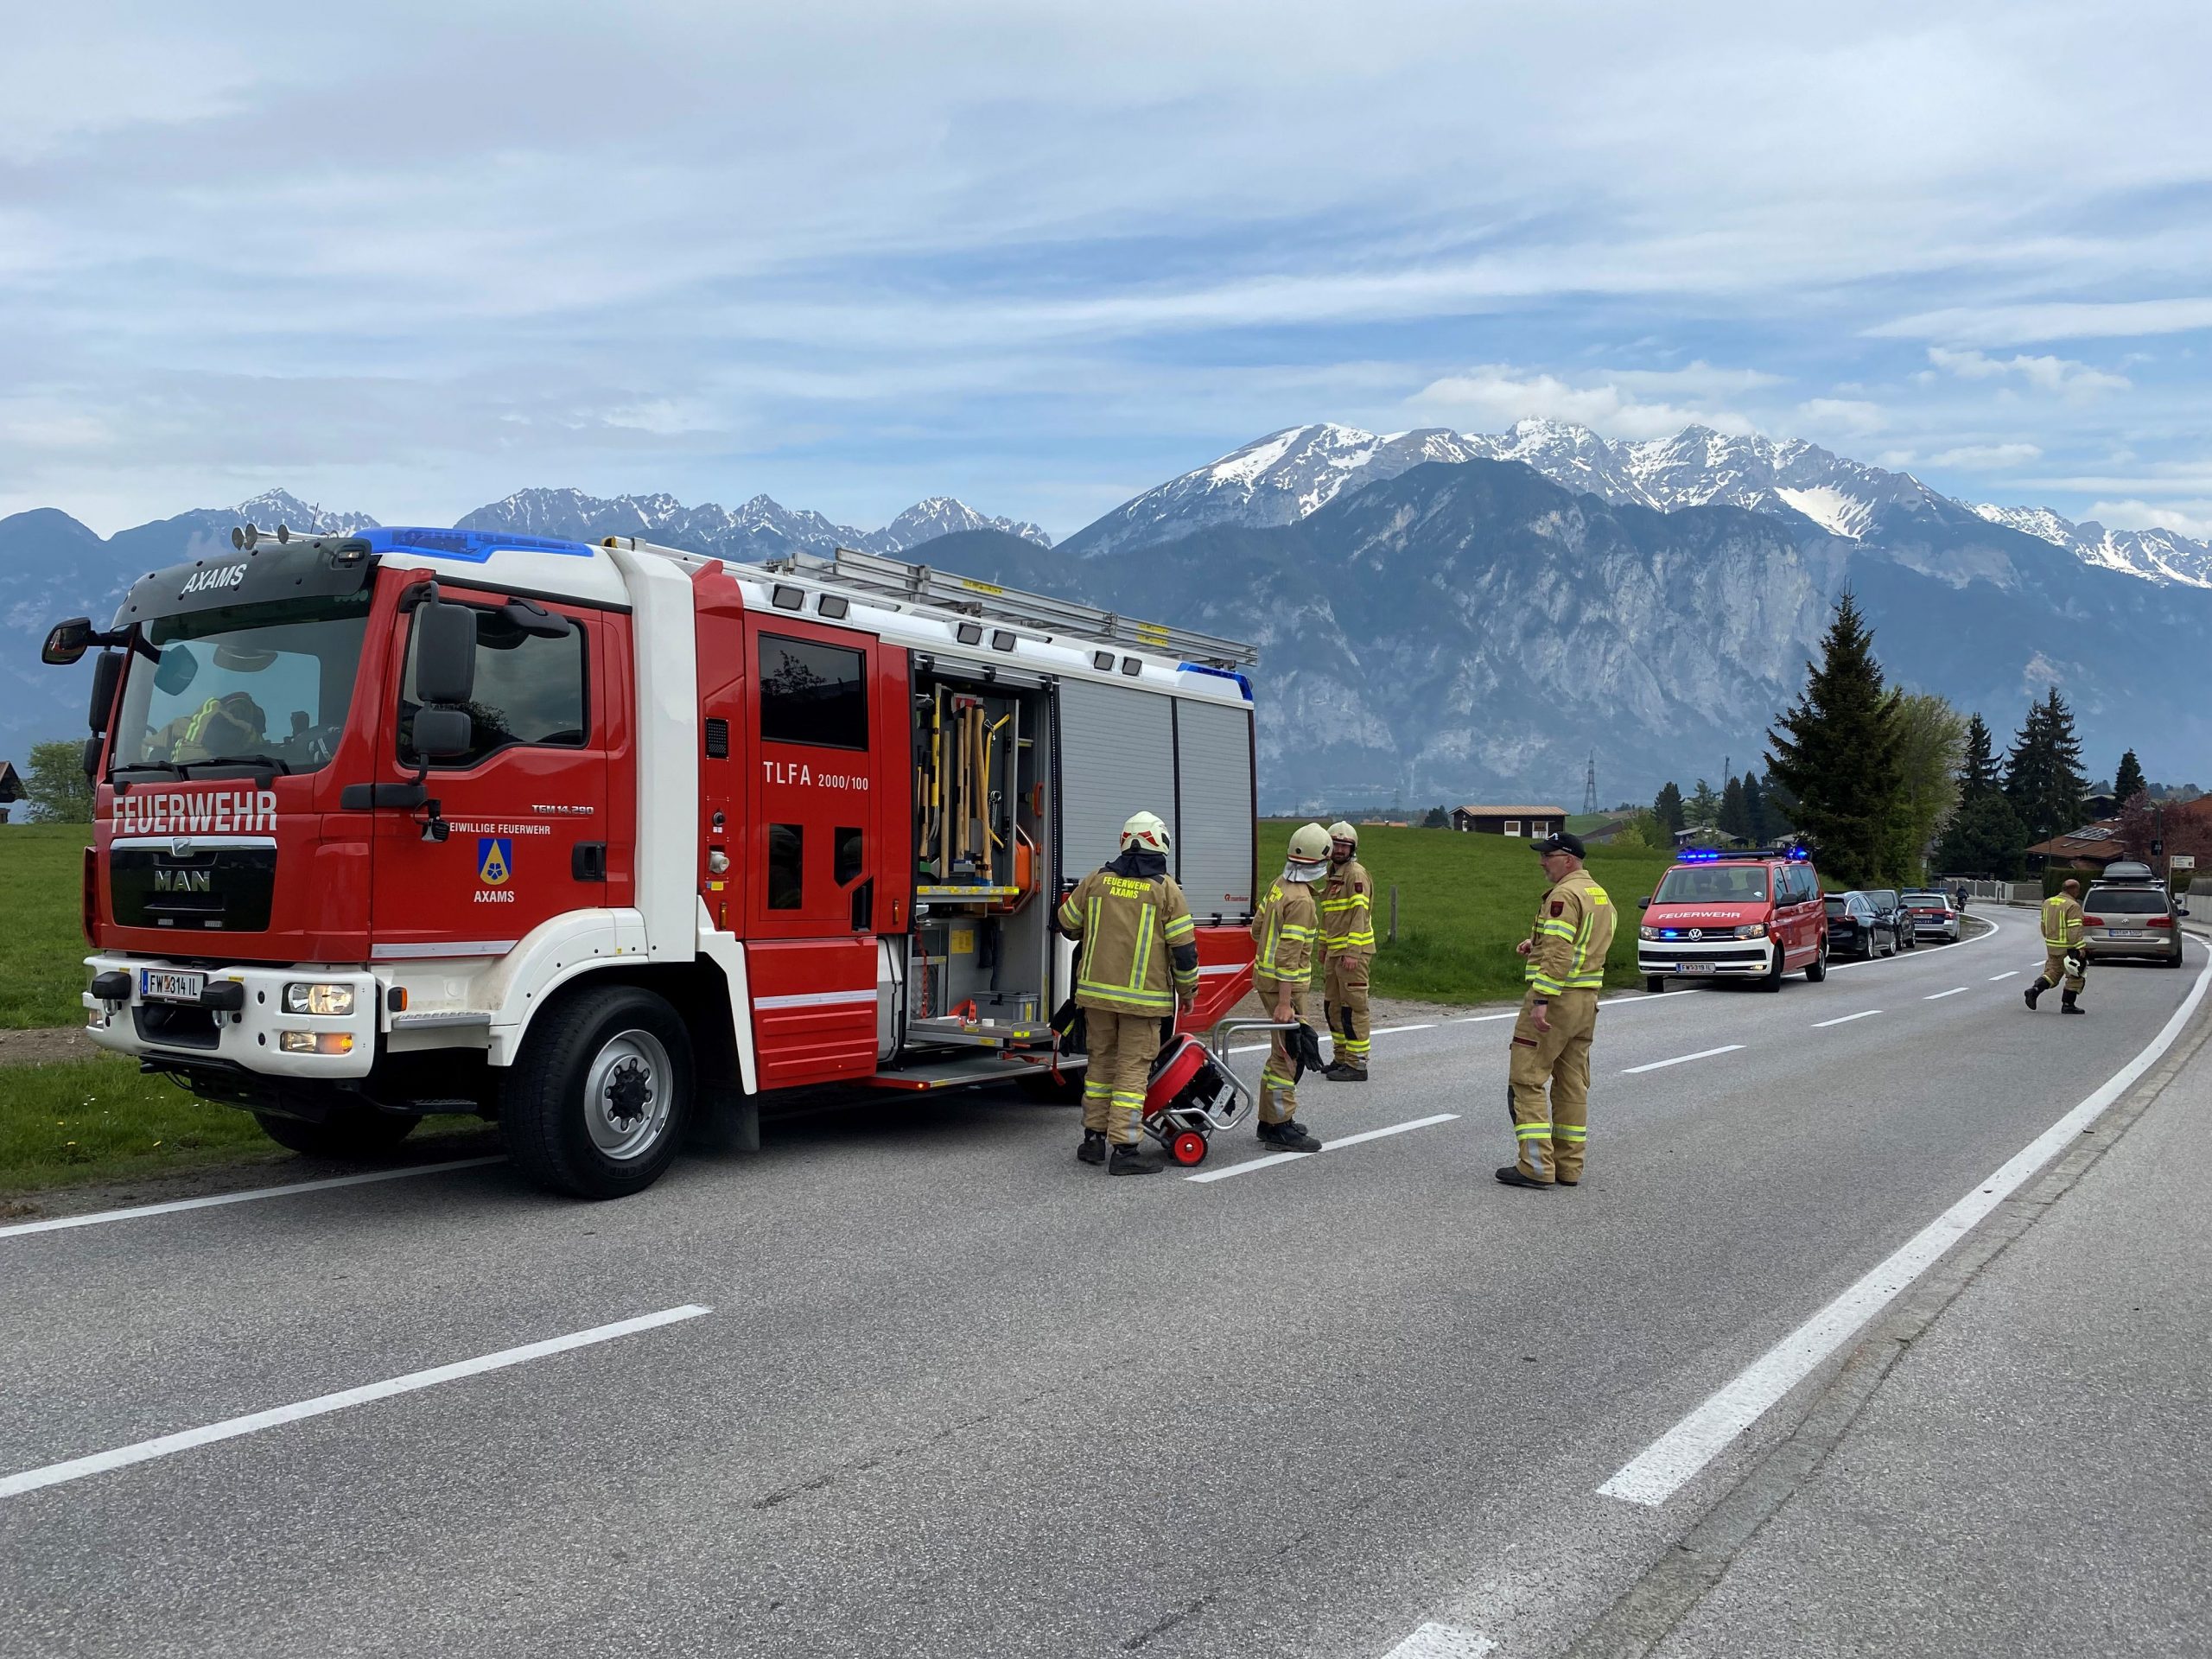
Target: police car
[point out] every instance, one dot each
(1752, 915)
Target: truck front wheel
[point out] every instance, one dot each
(597, 1101)
(355, 1132)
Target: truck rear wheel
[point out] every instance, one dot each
(356, 1132)
(597, 1101)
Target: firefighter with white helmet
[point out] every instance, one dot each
(1136, 959)
(1286, 927)
(1347, 902)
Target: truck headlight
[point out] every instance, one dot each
(319, 999)
(1647, 932)
(1751, 931)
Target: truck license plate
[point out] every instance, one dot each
(165, 985)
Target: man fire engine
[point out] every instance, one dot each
(1347, 947)
(607, 841)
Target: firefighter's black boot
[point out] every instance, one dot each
(1344, 1071)
(1287, 1136)
(2068, 1005)
(1093, 1149)
(2034, 991)
(1134, 1159)
(1510, 1175)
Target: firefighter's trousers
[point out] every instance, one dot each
(1122, 1047)
(2054, 969)
(1550, 1132)
(1343, 993)
(1279, 1076)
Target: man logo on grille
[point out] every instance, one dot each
(495, 860)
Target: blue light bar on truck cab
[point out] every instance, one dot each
(470, 546)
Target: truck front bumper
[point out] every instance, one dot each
(253, 1036)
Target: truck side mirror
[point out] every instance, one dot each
(445, 656)
(67, 641)
(107, 669)
(90, 762)
(441, 733)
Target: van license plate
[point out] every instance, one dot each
(162, 985)
(1697, 967)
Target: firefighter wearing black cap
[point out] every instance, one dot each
(1136, 959)
(1566, 950)
(1347, 901)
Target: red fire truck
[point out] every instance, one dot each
(607, 841)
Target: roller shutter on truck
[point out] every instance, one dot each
(1122, 752)
(1213, 838)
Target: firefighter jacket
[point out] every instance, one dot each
(1573, 931)
(1136, 946)
(1286, 927)
(2062, 923)
(1347, 913)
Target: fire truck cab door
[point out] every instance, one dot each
(827, 726)
(525, 810)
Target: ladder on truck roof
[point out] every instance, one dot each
(873, 574)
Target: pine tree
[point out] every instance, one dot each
(1978, 768)
(1836, 751)
(2042, 770)
(2127, 781)
(1703, 807)
(1734, 820)
(1667, 809)
(1755, 812)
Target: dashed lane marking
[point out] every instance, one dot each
(1274, 1157)
(57, 1224)
(1433, 1641)
(1937, 996)
(53, 1474)
(2010, 973)
(1846, 1018)
(1681, 1059)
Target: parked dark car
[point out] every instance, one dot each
(1890, 904)
(1858, 927)
(1933, 915)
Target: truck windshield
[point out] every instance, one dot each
(252, 684)
(1713, 883)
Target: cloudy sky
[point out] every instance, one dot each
(408, 258)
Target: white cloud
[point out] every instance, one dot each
(2020, 325)
(2190, 518)
(1988, 455)
(1853, 415)
(1498, 395)
(2058, 374)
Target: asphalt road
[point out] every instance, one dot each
(957, 1394)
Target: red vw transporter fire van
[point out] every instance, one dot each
(1755, 915)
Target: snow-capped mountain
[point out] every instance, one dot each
(274, 507)
(761, 528)
(2158, 554)
(1284, 477)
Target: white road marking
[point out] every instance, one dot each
(122, 1457)
(1384, 1031)
(1937, 996)
(2008, 974)
(1479, 1019)
(1846, 1018)
(57, 1224)
(1275, 1157)
(1663, 1468)
(1681, 1059)
(1433, 1641)
(1394, 1128)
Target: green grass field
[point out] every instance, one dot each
(78, 1121)
(41, 947)
(1464, 901)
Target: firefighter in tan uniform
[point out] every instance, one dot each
(1136, 959)
(1566, 950)
(2063, 956)
(1286, 928)
(1347, 946)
